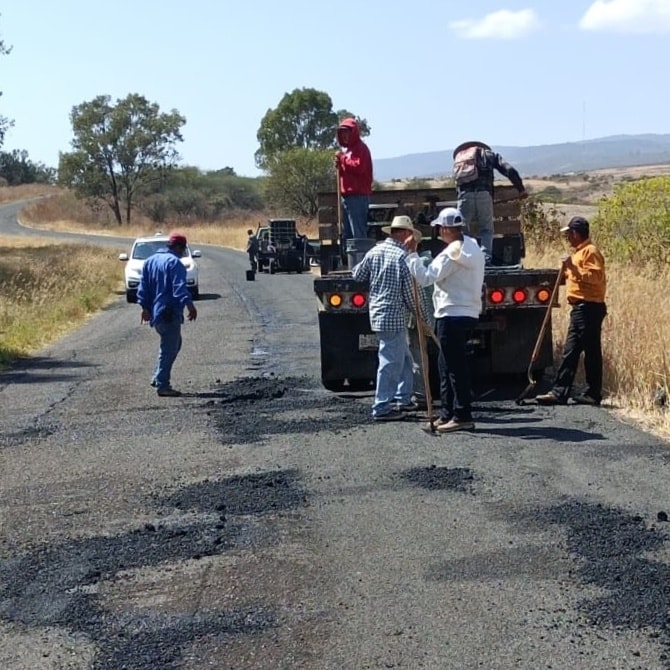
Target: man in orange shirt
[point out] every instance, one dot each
(585, 284)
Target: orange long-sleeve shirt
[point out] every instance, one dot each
(585, 274)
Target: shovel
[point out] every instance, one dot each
(425, 372)
(532, 382)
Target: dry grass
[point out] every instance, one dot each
(48, 289)
(64, 212)
(25, 192)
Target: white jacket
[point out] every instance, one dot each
(458, 275)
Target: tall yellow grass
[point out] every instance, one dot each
(48, 289)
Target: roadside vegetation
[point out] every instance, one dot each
(47, 289)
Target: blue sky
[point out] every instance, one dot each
(426, 74)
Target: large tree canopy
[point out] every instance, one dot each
(303, 119)
(296, 145)
(119, 149)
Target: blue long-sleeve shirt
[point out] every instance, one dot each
(163, 286)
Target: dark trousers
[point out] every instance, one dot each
(453, 333)
(584, 335)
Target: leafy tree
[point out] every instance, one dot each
(303, 119)
(16, 168)
(5, 123)
(295, 178)
(119, 150)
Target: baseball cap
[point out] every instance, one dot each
(450, 217)
(578, 223)
(177, 238)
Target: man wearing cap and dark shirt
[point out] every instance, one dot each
(585, 285)
(475, 192)
(163, 294)
(458, 275)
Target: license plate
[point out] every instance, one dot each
(368, 341)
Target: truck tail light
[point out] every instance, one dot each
(335, 300)
(358, 300)
(543, 295)
(520, 295)
(496, 296)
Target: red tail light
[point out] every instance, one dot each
(519, 296)
(358, 300)
(496, 296)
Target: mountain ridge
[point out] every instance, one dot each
(613, 151)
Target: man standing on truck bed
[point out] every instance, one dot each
(390, 303)
(354, 173)
(474, 165)
(458, 274)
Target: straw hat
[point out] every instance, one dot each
(403, 222)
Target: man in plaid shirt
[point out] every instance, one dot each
(390, 304)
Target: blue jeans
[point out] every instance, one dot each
(478, 206)
(355, 219)
(395, 372)
(170, 344)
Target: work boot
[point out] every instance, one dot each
(550, 399)
(586, 399)
(168, 392)
(454, 425)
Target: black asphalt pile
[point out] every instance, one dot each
(441, 478)
(254, 409)
(57, 585)
(614, 550)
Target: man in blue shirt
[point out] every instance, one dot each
(391, 303)
(163, 294)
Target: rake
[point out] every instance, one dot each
(532, 382)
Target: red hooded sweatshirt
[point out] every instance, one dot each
(354, 161)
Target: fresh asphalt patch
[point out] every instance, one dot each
(441, 478)
(59, 585)
(253, 409)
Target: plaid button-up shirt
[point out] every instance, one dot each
(390, 299)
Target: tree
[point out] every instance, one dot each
(119, 150)
(295, 178)
(16, 168)
(5, 123)
(303, 119)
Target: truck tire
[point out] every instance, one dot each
(335, 385)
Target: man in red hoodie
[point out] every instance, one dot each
(354, 171)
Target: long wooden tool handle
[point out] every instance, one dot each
(425, 372)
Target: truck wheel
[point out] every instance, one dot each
(131, 296)
(361, 385)
(335, 385)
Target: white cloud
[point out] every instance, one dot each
(504, 25)
(628, 16)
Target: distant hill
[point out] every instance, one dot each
(606, 152)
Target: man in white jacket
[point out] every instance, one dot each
(458, 275)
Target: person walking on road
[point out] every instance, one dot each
(457, 273)
(252, 249)
(163, 295)
(585, 285)
(390, 304)
(474, 165)
(354, 172)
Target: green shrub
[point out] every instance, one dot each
(634, 223)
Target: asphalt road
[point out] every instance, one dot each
(260, 522)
